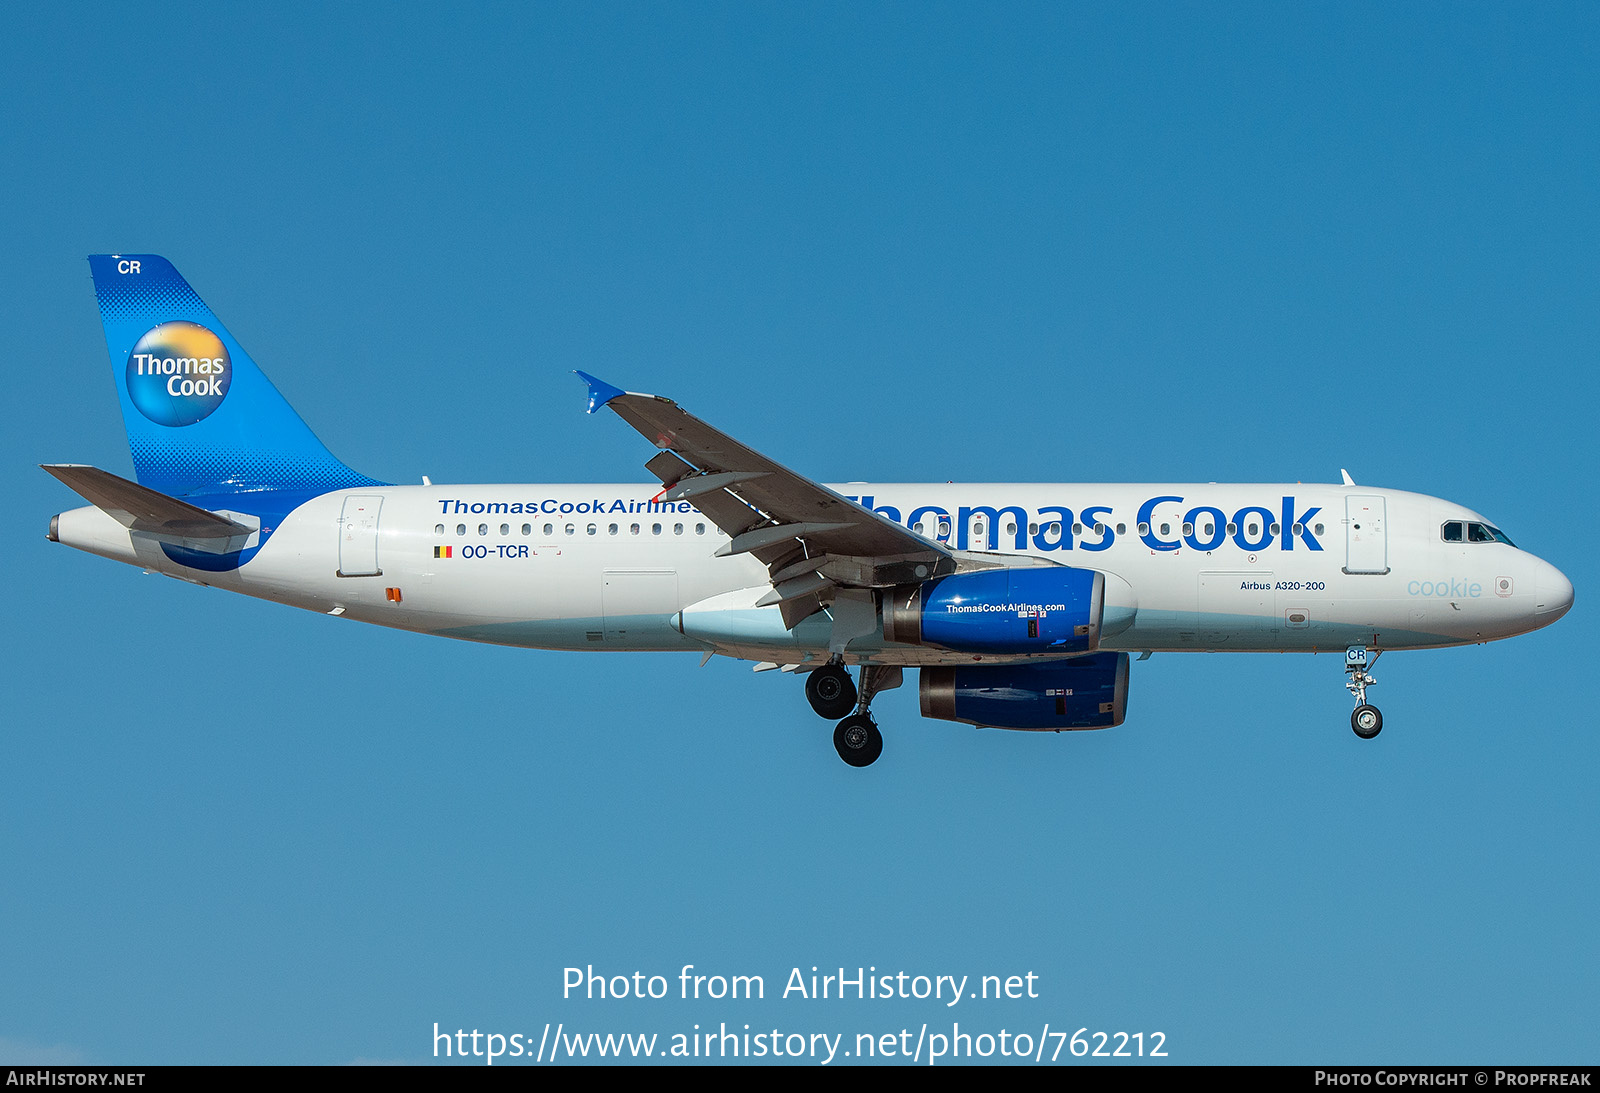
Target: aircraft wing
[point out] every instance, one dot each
(811, 539)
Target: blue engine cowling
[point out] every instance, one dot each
(1083, 693)
(1050, 609)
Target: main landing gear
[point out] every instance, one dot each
(1365, 720)
(830, 691)
(831, 694)
(857, 740)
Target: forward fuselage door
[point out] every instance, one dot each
(1366, 548)
(358, 537)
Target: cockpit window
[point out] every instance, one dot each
(1459, 531)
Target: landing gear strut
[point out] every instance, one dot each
(1365, 720)
(857, 739)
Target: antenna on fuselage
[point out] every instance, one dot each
(1344, 474)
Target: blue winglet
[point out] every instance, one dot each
(600, 392)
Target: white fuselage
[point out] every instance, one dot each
(1206, 567)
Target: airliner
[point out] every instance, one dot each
(1019, 605)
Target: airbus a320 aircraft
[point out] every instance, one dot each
(1019, 604)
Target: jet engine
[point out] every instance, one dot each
(1089, 692)
(1053, 609)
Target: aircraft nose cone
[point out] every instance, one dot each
(1553, 594)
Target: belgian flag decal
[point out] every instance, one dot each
(442, 551)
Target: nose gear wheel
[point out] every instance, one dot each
(1365, 721)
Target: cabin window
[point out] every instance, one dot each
(1188, 528)
(483, 529)
(1320, 529)
(1033, 529)
(593, 528)
(461, 529)
(1122, 529)
(572, 529)
(505, 529)
(633, 529)
(1211, 529)
(1144, 528)
(611, 530)
(699, 529)
(677, 529)
(1233, 529)
(655, 529)
(1166, 529)
(549, 529)
(438, 529)
(1099, 528)
(1274, 529)
(527, 529)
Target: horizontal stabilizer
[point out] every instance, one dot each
(141, 509)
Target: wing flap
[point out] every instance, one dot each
(782, 518)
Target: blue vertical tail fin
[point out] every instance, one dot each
(201, 417)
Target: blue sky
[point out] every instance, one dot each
(883, 242)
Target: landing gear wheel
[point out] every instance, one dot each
(858, 740)
(830, 692)
(1366, 721)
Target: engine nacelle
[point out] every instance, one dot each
(1083, 693)
(1052, 609)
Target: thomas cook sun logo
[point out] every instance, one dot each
(178, 373)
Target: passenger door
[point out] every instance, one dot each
(1366, 547)
(358, 537)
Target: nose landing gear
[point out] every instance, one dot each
(1365, 720)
